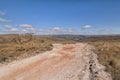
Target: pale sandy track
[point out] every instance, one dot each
(64, 62)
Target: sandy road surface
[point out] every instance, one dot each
(64, 62)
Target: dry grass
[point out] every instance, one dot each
(109, 55)
(108, 51)
(14, 47)
(14, 50)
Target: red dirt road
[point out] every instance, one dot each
(64, 62)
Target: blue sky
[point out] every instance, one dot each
(60, 16)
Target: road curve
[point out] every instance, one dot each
(64, 62)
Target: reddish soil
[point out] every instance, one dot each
(64, 62)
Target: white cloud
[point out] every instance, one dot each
(13, 29)
(57, 29)
(31, 28)
(54, 30)
(87, 26)
(27, 26)
(70, 30)
(4, 20)
(2, 13)
(7, 26)
(24, 30)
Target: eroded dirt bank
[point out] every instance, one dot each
(64, 62)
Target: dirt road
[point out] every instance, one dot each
(64, 62)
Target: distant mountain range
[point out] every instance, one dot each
(70, 37)
(85, 37)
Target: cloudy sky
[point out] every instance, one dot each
(60, 16)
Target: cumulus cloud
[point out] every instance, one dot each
(54, 30)
(2, 13)
(19, 30)
(87, 26)
(4, 20)
(11, 29)
(57, 29)
(27, 26)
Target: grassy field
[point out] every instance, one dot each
(15, 46)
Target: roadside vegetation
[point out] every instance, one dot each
(109, 55)
(108, 51)
(14, 46)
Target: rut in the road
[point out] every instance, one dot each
(64, 62)
(97, 71)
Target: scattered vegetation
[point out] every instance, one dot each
(108, 51)
(16, 46)
(109, 55)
